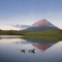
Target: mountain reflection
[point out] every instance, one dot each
(41, 45)
(22, 50)
(53, 54)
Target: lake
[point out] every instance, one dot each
(16, 49)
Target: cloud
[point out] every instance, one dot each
(8, 27)
(21, 26)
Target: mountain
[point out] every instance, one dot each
(41, 25)
(42, 22)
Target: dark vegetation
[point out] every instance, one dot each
(10, 32)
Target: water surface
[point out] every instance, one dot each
(16, 49)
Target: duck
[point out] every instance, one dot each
(22, 50)
(32, 51)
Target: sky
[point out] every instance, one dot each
(26, 12)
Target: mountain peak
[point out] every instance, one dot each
(42, 22)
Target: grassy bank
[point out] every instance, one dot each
(11, 32)
(47, 35)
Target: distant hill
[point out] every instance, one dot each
(42, 25)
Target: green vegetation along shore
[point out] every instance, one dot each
(46, 34)
(10, 32)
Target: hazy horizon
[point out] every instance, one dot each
(26, 12)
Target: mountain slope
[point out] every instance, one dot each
(41, 25)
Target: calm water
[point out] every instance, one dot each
(15, 49)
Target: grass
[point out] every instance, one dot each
(47, 35)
